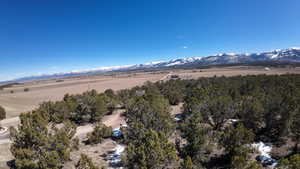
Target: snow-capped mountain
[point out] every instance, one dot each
(285, 55)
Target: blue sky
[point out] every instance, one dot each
(44, 36)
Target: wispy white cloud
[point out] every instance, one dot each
(184, 47)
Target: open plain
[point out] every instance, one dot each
(15, 100)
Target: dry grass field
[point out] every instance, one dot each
(20, 101)
(39, 91)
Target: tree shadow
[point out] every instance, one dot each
(11, 164)
(220, 162)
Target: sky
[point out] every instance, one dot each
(47, 36)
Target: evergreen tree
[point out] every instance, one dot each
(85, 163)
(295, 128)
(99, 133)
(152, 111)
(290, 163)
(187, 163)
(154, 152)
(220, 109)
(251, 111)
(2, 113)
(234, 140)
(198, 146)
(35, 146)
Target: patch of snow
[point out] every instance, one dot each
(115, 157)
(295, 48)
(211, 58)
(153, 63)
(108, 68)
(174, 63)
(3, 130)
(230, 54)
(226, 54)
(274, 56)
(232, 121)
(277, 50)
(124, 125)
(119, 149)
(265, 157)
(191, 59)
(263, 148)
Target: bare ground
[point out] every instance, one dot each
(96, 152)
(21, 101)
(46, 90)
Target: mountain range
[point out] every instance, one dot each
(290, 55)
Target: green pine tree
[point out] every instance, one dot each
(85, 163)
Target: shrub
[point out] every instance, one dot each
(292, 162)
(35, 146)
(152, 111)
(2, 113)
(99, 133)
(187, 163)
(154, 151)
(85, 163)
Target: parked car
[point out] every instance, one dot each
(266, 161)
(178, 118)
(117, 133)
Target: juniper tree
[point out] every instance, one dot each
(295, 129)
(2, 114)
(292, 162)
(85, 163)
(235, 141)
(100, 132)
(154, 152)
(152, 111)
(187, 163)
(198, 146)
(35, 145)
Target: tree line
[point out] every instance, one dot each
(221, 117)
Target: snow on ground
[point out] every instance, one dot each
(3, 130)
(119, 149)
(115, 157)
(265, 157)
(263, 149)
(174, 63)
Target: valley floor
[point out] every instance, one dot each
(45, 90)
